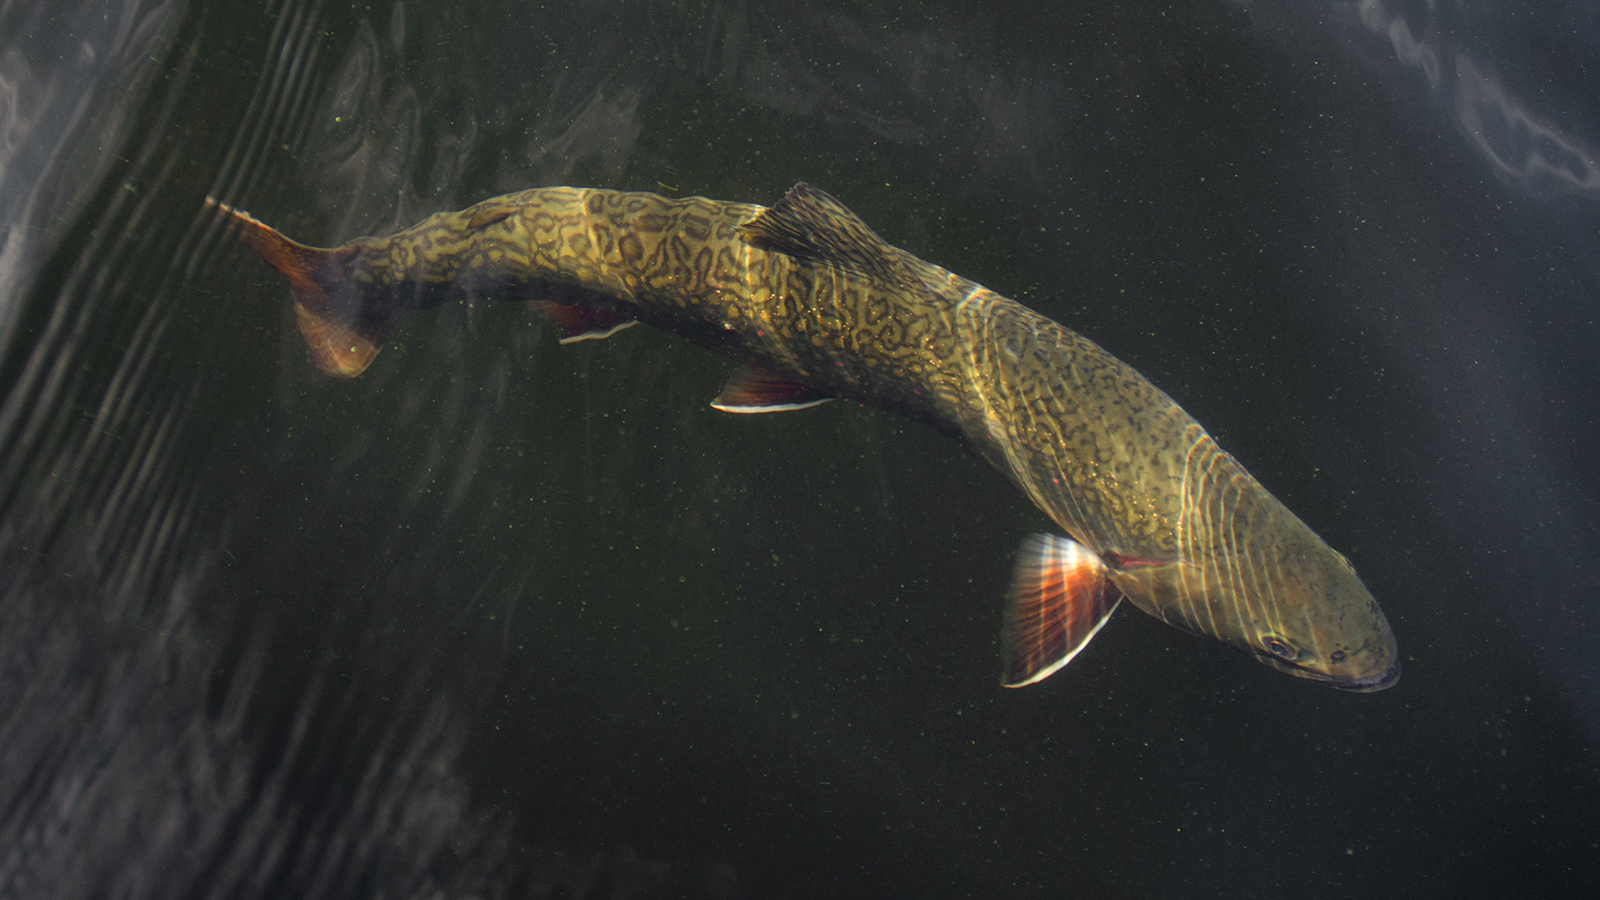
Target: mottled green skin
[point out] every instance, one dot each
(1189, 536)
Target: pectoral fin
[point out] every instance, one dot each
(1060, 599)
(752, 390)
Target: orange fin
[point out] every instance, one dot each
(752, 390)
(340, 341)
(579, 324)
(1061, 598)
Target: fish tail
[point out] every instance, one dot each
(342, 341)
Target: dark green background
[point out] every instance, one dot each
(502, 618)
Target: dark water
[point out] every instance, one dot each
(507, 619)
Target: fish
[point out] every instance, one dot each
(813, 306)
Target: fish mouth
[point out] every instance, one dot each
(1367, 685)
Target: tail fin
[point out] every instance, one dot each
(340, 341)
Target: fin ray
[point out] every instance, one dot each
(1062, 597)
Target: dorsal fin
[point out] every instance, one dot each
(811, 225)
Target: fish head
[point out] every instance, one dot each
(1323, 624)
(1294, 604)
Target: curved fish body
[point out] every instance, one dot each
(815, 306)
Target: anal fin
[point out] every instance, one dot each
(752, 390)
(577, 323)
(1061, 597)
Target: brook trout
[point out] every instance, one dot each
(815, 306)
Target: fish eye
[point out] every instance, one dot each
(1337, 656)
(1279, 647)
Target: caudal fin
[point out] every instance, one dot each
(341, 340)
